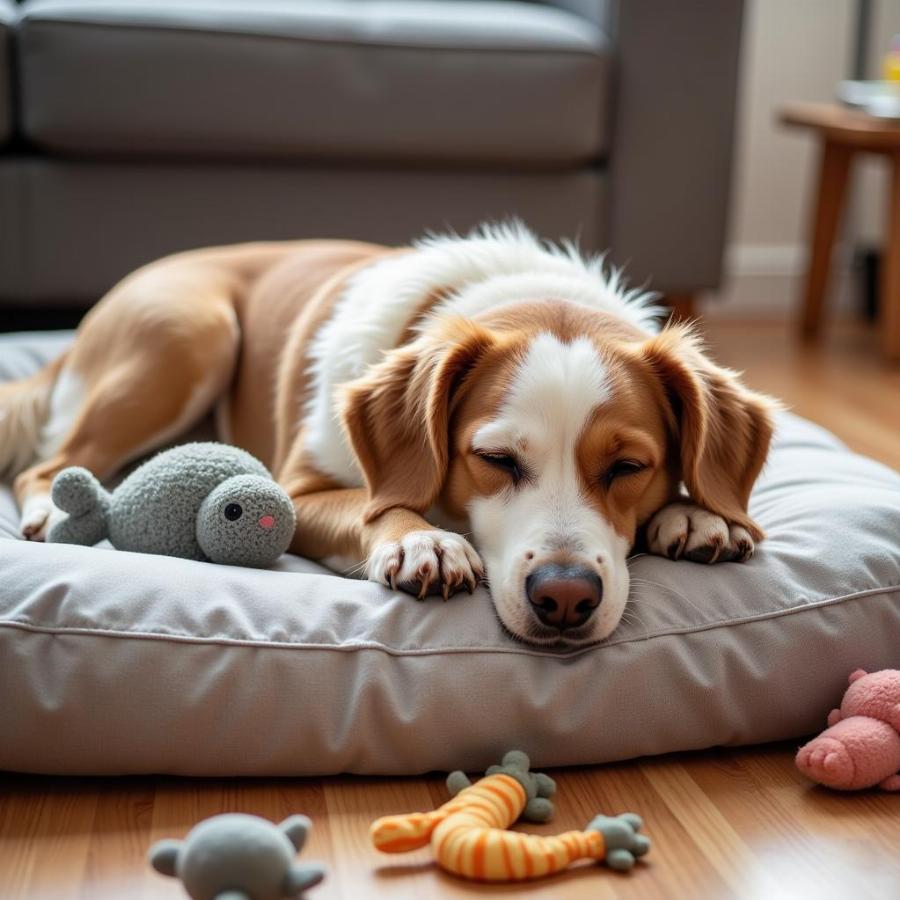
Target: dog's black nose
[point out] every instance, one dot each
(563, 596)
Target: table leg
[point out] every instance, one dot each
(889, 301)
(829, 201)
(682, 306)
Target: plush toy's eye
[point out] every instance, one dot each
(233, 511)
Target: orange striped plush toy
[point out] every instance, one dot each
(469, 838)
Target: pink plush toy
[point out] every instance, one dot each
(861, 747)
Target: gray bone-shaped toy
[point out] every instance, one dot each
(239, 857)
(200, 501)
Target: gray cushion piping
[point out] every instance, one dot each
(437, 651)
(596, 53)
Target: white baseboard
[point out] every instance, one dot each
(766, 280)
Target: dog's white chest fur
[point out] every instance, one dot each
(499, 266)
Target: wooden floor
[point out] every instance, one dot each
(843, 384)
(726, 823)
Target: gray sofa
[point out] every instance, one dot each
(132, 129)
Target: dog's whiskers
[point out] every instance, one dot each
(355, 570)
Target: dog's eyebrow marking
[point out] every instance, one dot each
(563, 383)
(498, 436)
(554, 391)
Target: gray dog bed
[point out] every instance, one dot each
(113, 662)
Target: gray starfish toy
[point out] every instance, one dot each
(239, 857)
(200, 501)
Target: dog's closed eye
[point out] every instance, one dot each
(506, 462)
(622, 468)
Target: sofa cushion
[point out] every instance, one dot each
(115, 662)
(412, 80)
(47, 255)
(7, 18)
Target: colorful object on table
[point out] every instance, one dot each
(201, 501)
(861, 746)
(468, 837)
(239, 857)
(891, 64)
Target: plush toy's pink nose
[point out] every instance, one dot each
(266, 522)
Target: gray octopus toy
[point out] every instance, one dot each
(201, 501)
(239, 857)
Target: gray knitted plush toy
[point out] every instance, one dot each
(239, 857)
(197, 501)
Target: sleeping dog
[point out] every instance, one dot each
(466, 408)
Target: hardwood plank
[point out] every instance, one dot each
(21, 841)
(676, 865)
(866, 820)
(800, 863)
(119, 837)
(352, 805)
(722, 823)
(726, 823)
(715, 836)
(844, 384)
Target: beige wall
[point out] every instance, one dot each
(792, 50)
(869, 209)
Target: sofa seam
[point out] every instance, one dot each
(437, 651)
(601, 52)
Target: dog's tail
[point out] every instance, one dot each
(24, 406)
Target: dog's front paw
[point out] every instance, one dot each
(426, 562)
(38, 515)
(683, 529)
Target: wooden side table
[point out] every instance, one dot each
(844, 132)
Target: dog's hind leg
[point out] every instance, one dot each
(147, 363)
(24, 407)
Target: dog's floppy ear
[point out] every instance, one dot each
(397, 415)
(724, 428)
